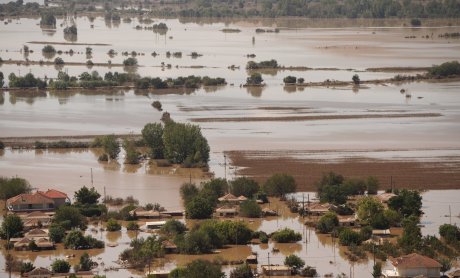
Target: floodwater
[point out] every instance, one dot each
(350, 49)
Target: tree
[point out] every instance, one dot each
(254, 79)
(58, 61)
(446, 265)
(377, 270)
(356, 79)
(349, 237)
(132, 226)
(152, 134)
(56, 233)
(27, 267)
(198, 208)
(279, 185)
(85, 262)
(327, 223)
(69, 217)
(286, 235)
(294, 261)
(198, 269)
(74, 240)
(232, 232)
(411, 237)
(173, 227)
(290, 80)
(48, 20)
(130, 62)
(110, 146)
(188, 191)
(87, 196)
(450, 233)
(244, 186)
(131, 152)
(2, 77)
(113, 225)
(12, 226)
(407, 203)
(48, 49)
(185, 144)
(10, 187)
(368, 207)
(242, 271)
(250, 208)
(60, 266)
(372, 185)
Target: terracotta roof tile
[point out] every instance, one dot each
(26, 198)
(55, 194)
(415, 260)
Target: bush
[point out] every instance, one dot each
(450, 233)
(243, 271)
(279, 185)
(356, 79)
(132, 226)
(251, 209)
(113, 225)
(327, 223)
(263, 64)
(254, 79)
(173, 227)
(130, 62)
(58, 61)
(48, 19)
(26, 267)
(48, 49)
(244, 186)
(349, 237)
(290, 80)
(286, 235)
(60, 266)
(445, 69)
(294, 261)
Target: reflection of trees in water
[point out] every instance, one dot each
(110, 166)
(212, 89)
(48, 32)
(131, 168)
(268, 71)
(58, 67)
(255, 91)
(28, 94)
(71, 37)
(49, 55)
(113, 236)
(288, 248)
(290, 88)
(2, 98)
(108, 23)
(2, 152)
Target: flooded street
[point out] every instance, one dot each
(322, 125)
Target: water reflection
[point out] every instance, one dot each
(255, 91)
(2, 98)
(71, 37)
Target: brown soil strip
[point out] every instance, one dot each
(398, 69)
(68, 43)
(413, 174)
(313, 118)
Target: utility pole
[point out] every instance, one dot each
(450, 216)
(92, 177)
(269, 267)
(225, 165)
(303, 205)
(105, 196)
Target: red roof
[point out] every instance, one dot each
(55, 194)
(25, 198)
(415, 260)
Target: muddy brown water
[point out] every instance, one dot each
(299, 44)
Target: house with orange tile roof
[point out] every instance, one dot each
(413, 265)
(37, 201)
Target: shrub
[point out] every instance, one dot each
(290, 80)
(254, 79)
(113, 225)
(356, 79)
(286, 235)
(60, 266)
(130, 62)
(48, 49)
(132, 226)
(294, 261)
(445, 69)
(251, 209)
(279, 185)
(327, 223)
(349, 237)
(58, 61)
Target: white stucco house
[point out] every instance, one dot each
(413, 265)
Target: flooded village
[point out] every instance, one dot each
(229, 139)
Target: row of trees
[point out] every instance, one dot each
(334, 188)
(191, 82)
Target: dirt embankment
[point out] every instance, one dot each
(314, 118)
(440, 173)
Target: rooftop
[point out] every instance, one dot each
(414, 260)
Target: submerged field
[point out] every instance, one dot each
(304, 131)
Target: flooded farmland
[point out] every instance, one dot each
(316, 128)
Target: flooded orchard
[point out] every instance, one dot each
(322, 125)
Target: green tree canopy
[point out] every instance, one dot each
(198, 208)
(56, 233)
(69, 217)
(10, 187)
(110, 146)
(279, 185)
(368, 207)
(242, 271)
(286, 235)
(407, 202)
(327, 223)
(60, 266)
(152, 134)
(244, 186)
(250, 208)
(87, 196)
(198, 269)
(294, 261)
(12, 226)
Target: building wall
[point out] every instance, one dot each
(428, 272)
